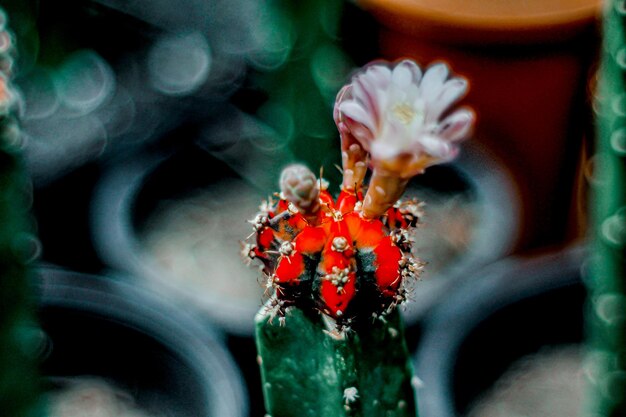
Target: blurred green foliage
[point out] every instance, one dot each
(302, 77)
(19, 383)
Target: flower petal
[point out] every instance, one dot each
(457, 126)
(433, 81)
(360, 133)
(357, 113)
(416, 71)
(342, 95)
(377, 77)
(435, 146)
(451, 91)
(381, 150)
(367, 96)
(402, 74)
(376, 81)
(394, 141)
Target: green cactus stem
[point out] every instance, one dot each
(606, 315)
(308, 369)
(330, 338)
(18, 376)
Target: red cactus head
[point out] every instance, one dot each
(327, 256)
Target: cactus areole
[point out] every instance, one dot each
(350, 257)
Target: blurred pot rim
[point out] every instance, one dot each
(464, 25)
(494, 287)
(115, 241)
(135, 308)
(498, 228)
(499, 222)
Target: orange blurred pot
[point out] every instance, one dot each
(528, 63)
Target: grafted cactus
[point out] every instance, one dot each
(330, 258)
(330, 338)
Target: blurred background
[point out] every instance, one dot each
(153, 129)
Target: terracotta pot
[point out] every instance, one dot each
(527, 63)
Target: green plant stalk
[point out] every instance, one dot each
(606, 314)
(18, 376)
(19, 382)
(310, 371)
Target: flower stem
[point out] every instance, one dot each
(384, 190)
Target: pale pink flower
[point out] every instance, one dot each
(400, 121)
(400, 116)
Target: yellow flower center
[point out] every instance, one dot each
(404, 112)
